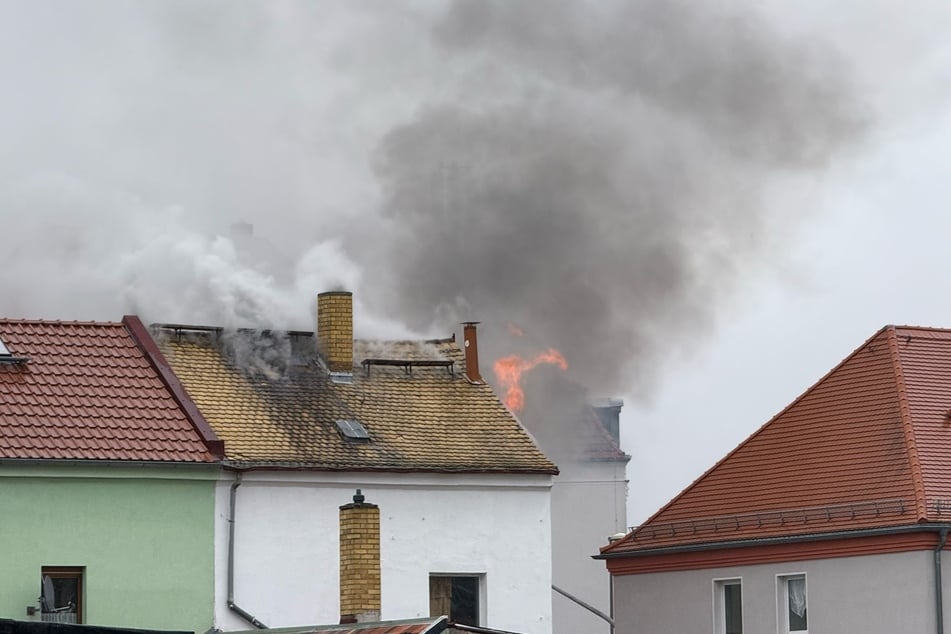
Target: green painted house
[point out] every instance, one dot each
(107, 481)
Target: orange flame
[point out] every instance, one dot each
(509, 370)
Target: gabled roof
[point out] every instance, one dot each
(868, 446)
(88, 391)
(274, 404)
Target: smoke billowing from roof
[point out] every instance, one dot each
(592, 172)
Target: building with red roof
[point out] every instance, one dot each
(833, 516)
(107, 480)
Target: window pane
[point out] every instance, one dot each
(465, 600)
(796, 595)
(733, 608)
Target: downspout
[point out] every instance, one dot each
(234, 607)
(939, 598)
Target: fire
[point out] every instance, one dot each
(509, 370)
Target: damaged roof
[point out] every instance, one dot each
(868, 446)
(88, 391)
(274, 403)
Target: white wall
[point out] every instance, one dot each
(589, 503)
(874, 594)
(287, 544)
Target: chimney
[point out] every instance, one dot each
(359, 561)
(471, 345)
(335, 331)
(609, 413)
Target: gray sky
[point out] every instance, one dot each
(704, 207)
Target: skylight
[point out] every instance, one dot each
(3, 350)
(353, 430)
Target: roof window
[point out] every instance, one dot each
(353, 430)
(8, 357)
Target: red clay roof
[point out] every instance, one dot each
(89, 391)
(868, 446)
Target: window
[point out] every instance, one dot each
(61, 594)
(456, 597)
(728, 606)
(792, 604)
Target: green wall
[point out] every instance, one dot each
(145, 536)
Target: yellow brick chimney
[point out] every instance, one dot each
(359, 561)
(335, 330)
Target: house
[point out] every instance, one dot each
(832, 517)
(107, 481)
(583, 437)
(461, 491)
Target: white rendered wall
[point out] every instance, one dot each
(873, 594)
(589, 504)
(287, 544)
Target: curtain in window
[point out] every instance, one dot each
(440, 596)
(796, 590)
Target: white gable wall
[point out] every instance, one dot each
(872, 594)
(287, 544)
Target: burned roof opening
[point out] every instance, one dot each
(352, 430)
(7, 357)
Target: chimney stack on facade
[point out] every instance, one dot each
(360, 597)
(335, 330)
(470, 343)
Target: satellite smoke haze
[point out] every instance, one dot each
(593, 172)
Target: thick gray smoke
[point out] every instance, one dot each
(592, 172)
(599, 184)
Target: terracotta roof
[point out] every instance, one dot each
(88, 391)
(868, 446)
(430, 625)
(273, 403)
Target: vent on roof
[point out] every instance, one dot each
(353, 430)
(6, 357)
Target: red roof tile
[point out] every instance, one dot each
(868, 446)
(90, 392)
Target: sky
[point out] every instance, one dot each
(704, 208)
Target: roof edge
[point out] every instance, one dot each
(142, 338)
(258, 465)
(618, 544)
(907, 427)
(781, 539)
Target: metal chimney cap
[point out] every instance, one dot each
(358, 497)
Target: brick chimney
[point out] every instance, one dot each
(359, 561)
(335, 330)
(471, 346)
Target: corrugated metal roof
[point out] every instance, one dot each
(869, 445)
(88, 392)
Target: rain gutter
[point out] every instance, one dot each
(234, 607)
(938, 592)
(765, 541)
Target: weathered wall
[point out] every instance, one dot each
(144, 535)
(874, 594)
(589, 503)
(287, 541)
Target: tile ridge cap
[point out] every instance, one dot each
(908, 428)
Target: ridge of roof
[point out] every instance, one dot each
(907, 424)
(620, 544)
(48, 322)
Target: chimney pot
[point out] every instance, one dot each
(471, 348)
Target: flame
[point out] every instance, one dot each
(509, 370)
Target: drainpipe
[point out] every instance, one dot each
(234, 607)
(939, 599)
(586, 606)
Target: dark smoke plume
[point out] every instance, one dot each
(599, 179)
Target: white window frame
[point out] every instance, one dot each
(481, 577)
(782, 602)
(719, 603)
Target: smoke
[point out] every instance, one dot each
(593, 172)
(598, 179)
